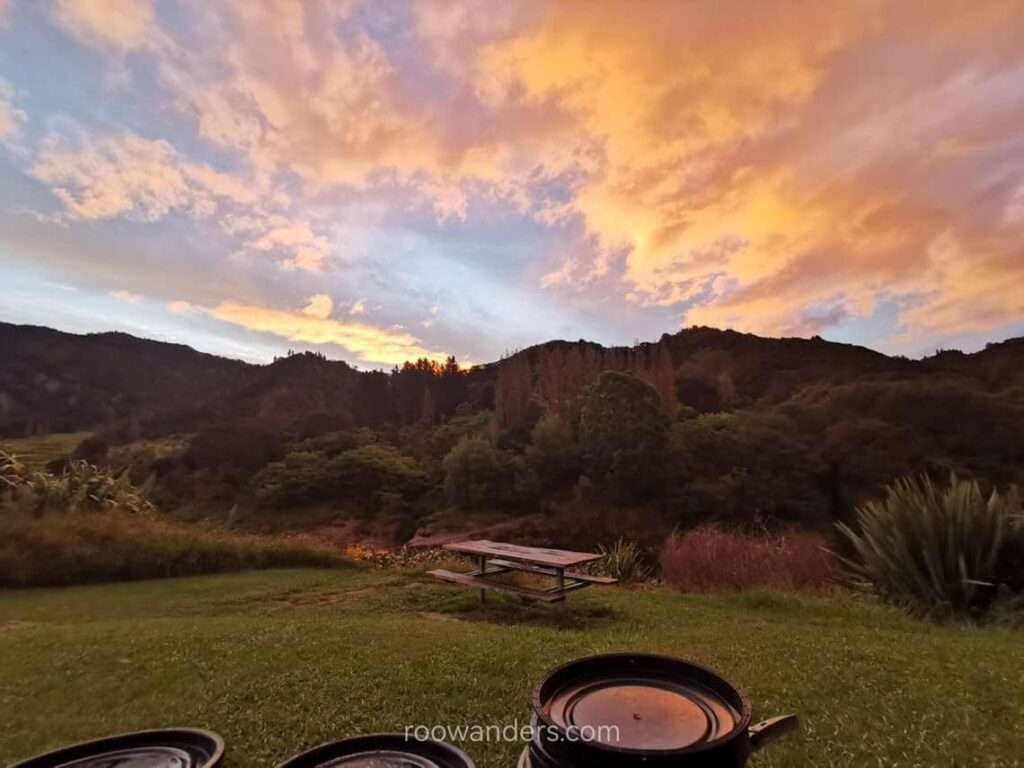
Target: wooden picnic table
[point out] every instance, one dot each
(495, 558)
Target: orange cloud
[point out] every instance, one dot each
(320, 306)
(764, 163)
(123, 25)
(313, 325)
(114, 176)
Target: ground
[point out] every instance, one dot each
(279, 661)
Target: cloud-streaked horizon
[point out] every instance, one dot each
(336, 173)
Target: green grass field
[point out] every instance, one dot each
(279, 661)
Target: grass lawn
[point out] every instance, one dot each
(278, 661)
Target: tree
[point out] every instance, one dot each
(471, 473)
(623, 435)
(479, 475)
(553, 452)
(741, 466)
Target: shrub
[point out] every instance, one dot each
(359, 473)
(938, 550)
(80, 487)
(93, 449)
(590, 521)
(711, 558)
(624, 561)
(446, 436)
(377, 467)
(12, 472)
(303, 477)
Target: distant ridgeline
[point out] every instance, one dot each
(52, 381)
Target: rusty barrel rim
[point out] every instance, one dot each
(667, 707)
(176, 747)
(383, 749)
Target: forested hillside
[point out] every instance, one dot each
(701, 425)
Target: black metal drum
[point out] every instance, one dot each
(381, 751)
(623, 710)
(166, 748)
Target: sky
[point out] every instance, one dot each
(383, 180)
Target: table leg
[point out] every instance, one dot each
(561, 579)
(483, 571)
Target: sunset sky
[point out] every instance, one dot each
(383, 180)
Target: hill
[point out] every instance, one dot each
(60, 382)
(743, 428)
(52, 381)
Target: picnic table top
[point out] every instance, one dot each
(554, 558)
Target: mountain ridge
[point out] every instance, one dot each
(53, 380)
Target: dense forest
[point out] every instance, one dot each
(703, 425)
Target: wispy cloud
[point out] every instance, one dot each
(11, 118)
(313, 325)
(127, 296)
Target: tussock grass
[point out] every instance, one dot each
(88, 525)
(81, 547)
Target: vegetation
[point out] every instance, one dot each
(745, 467)
(477, 475)
(715, 559)
(553, 453)
(79, 548)
(279, 661)
(703, 426)
(37, 452)
(623, 435)
(939, 550)
(358, 475)
(624, 561)
(80, 487)
(87, 525)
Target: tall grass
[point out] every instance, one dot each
(624, 561)
(939, 550)
(711, 558)
(87, 525)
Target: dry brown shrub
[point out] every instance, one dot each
(714, 559)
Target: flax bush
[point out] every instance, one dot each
(939, 549)
(624, 561)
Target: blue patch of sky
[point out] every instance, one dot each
(33, 298)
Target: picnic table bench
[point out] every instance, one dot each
(495, 558)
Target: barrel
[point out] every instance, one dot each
(161, 748)
(382, 751)
(632, 710)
